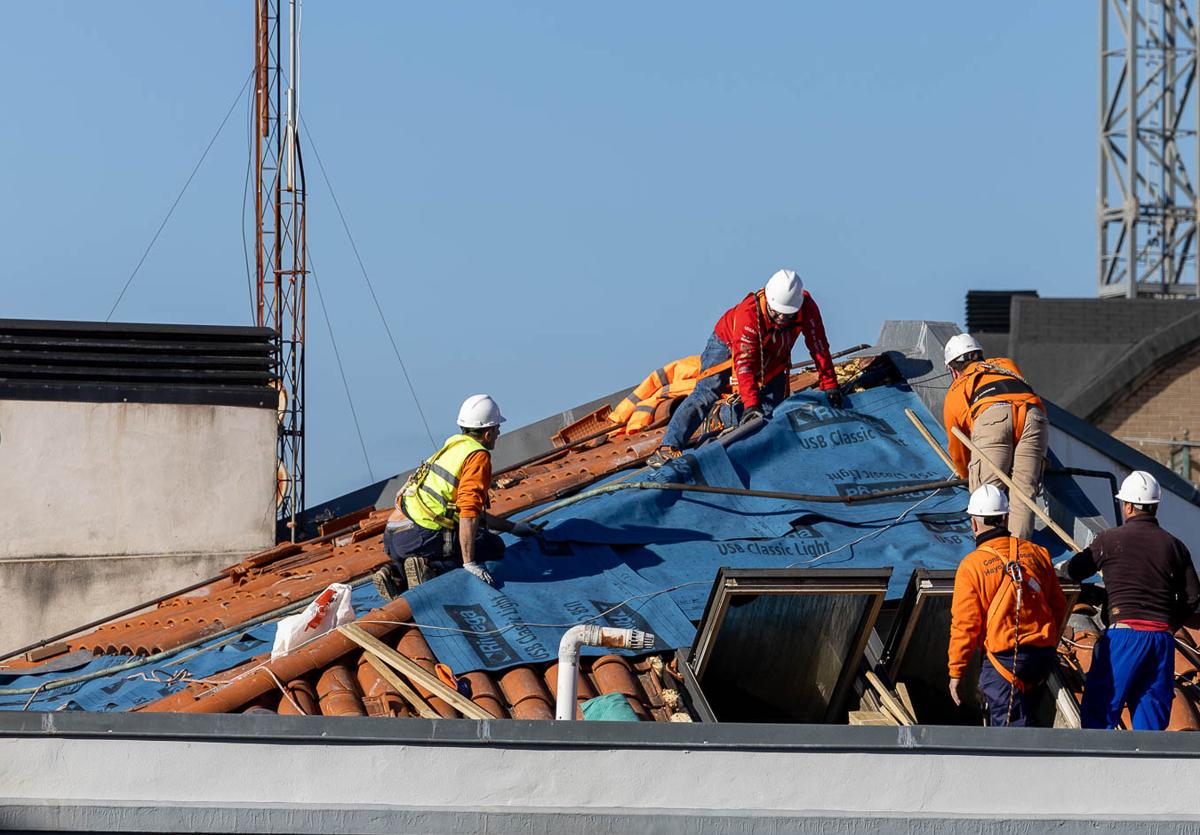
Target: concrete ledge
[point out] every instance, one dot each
(332, 731)
(47, 815)
(63, 771)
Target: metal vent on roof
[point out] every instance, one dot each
(782, 645)
(142, 363)
(988, 310)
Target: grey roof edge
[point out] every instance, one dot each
(1152, 354)
(264, 729)
(1124, 454)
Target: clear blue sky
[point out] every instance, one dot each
(552, 200)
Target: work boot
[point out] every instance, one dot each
(662, 455)
(388, 582)
(416, 571)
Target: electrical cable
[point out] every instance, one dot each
(371, 287)
(179, 197)
(312, 268)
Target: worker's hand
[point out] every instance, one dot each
(835, 397)
(479, 571)
(954, 691)
(525, 529)
(750, 415)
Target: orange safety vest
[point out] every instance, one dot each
(675, 379)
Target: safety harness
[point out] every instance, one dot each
(1014, 572)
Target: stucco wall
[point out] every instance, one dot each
(106, 504)
(1166, 407)
(371, 775)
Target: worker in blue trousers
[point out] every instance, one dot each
(1152, 588)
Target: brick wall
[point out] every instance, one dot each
(1166, 406)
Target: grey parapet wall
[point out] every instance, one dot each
(225, 773)
(134, 459)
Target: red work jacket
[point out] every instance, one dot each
(762, 349)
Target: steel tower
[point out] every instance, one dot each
(280, 253)
(1147, 202)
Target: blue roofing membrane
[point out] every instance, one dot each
(638, 558)
(647, 558)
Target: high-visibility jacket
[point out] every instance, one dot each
(761, 349)
(983, 610)
(427, 498)
(675, 379)
(983, 384)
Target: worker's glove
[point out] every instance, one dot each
(1060, 569)
(479, 571)
(751, 415)
(835, 397)
(525, 529)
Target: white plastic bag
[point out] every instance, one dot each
(330, 609)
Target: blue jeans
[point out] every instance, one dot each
(1135, 668)
(416, 541)
(708, 391)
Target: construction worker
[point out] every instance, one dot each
(1007, 598)
(1152, 588)
(992, 404)
(441, 521)
(753, 343)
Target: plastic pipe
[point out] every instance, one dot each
(589, 635)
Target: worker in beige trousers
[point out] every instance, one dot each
(992, 404)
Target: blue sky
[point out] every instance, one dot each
(552, 199)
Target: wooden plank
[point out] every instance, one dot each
(407, 693)
(1014, 491)
(870, 717)
(906, 700)
(890, 703)
(415, 672)
(932, 441)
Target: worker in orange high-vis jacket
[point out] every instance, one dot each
(753, 343)
(992, 404)
(1008, 600)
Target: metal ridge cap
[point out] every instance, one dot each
(259, 729)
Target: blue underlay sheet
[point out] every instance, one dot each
(139, 682)
(637, 558)
(647, 558)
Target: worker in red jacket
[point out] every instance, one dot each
(753, 342)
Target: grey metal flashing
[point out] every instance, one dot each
(266, 729)
(1123, 454)
(54, 815)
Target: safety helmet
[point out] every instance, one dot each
(988, 500)
(479, 411)
(785, 292)
(1139, 487)
(960, 345)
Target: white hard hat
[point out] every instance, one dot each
(988, 500)
(479, 411)
(785, 292)
(960, 345)
(1139, 487)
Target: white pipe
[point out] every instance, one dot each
(591, 635)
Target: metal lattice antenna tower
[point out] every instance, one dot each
(1149, 149)
(280, 253)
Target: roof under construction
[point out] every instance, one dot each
(854, 498)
